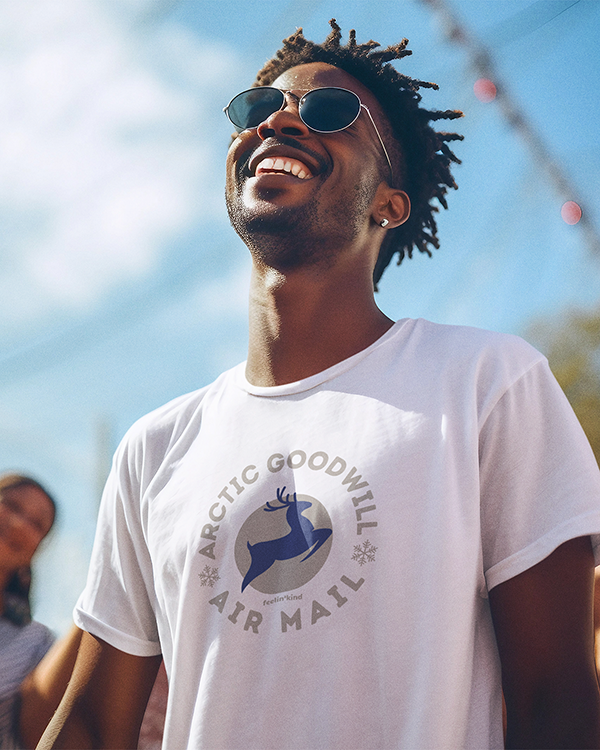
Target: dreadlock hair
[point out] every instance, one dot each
(422, 154)
(17, 605)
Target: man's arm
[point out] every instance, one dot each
(104, 704)
(543, 620)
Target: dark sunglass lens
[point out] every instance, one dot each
(250, 108)
(328, 110)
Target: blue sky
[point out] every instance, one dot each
(123, 285)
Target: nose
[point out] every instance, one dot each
(285, 121)
(18, 522)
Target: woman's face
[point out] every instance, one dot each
(26, 516)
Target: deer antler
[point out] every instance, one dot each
(283, 502)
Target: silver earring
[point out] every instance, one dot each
(383, 223)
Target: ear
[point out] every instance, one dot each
(391, 205)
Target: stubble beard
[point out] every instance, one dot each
(287, 239)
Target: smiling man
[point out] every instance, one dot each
(359, 536)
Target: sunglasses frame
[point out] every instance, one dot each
(362, 106)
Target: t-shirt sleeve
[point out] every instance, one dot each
(118, 602)
(540, 483)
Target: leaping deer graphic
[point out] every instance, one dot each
(302, 537)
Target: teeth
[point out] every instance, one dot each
(279, 164)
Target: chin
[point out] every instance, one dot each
(262, 218)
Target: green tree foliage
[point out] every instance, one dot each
(572, 345)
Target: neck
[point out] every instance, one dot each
(303, 322)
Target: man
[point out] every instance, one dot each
(336, 544)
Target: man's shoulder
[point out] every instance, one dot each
(460, 343)
(466, 358)
(168, 422)
(478, 337)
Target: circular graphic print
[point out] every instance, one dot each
(283, 544)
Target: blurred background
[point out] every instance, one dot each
(122, 284)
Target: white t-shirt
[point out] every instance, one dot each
(313, 559)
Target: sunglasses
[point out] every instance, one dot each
(324, 110)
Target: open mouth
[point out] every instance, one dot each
(284, 166)
(286, 157)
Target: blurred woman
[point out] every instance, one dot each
(27, 514)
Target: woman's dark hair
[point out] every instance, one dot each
(422, 155)
(17, 605)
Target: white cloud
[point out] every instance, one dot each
(105, 148)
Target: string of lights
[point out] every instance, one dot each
(489, 87)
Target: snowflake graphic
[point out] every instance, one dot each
(209, 576)
(364, 553)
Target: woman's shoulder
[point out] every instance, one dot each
(21, 648)
(38, 633)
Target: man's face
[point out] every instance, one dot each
(298, 196)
